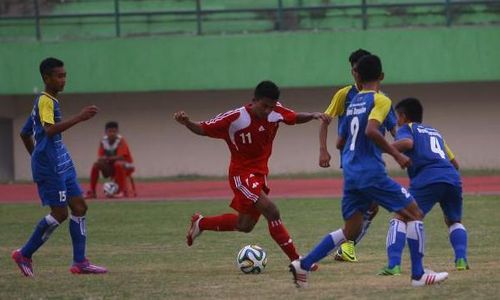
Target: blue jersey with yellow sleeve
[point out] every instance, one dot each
(361, 157)
(430, 156)
(50, 156)
(340, 102)
(342, 99)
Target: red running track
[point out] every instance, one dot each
(210, 190)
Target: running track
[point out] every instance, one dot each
(211, 190)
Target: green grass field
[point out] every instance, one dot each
(143, 245)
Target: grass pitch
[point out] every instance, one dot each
(143, 245)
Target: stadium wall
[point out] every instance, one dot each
(140, 82)
(294, 59)
(466, 113)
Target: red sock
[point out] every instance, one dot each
(120, 176)
(94, 177)
(281, 236)
(226, 222)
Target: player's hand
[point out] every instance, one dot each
(403, 160)
(181, 117)
(88, 112)
(324, 159)
(323, 117)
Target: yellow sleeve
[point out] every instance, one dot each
(380, 108)
(46, 110)
(337, 105)
(450, 154)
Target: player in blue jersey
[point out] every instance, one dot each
(337, 108)
(54, 172)
(433, 179)
(366, 180)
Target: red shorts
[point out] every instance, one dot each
(246, 189)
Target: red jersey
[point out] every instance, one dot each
(249, 138)
(119, 148)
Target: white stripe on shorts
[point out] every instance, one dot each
(244, 190)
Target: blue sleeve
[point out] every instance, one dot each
(391, 120)
(404, 132)
(27, 127)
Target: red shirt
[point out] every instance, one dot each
(118, 148)
(249, 138)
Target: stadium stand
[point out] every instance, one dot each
(76, 19)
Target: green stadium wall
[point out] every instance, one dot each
(292, 59)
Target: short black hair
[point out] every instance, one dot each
(412, 108)
(111, 124)
(369, 68)
(49, 64)
(267, 89)
(356, 56)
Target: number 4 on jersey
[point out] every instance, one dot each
(436, 147)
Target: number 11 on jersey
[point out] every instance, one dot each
(246, 138)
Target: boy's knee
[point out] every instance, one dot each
(60, 214)
(79, 210)
(411, 213)
(245, 225)
(246, 228)
(271, 213)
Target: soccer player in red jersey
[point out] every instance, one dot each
(249, 132)
(114, 160)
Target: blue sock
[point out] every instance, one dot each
(458, 240)
(416, 243)
(329, 243)
(78, 231)
(42, 232)
(395, 243)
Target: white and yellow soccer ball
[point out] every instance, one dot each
(110, 188)
(251, 259)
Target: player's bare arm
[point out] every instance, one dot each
(28, 142)
(183, 119)
(403, 145)
(373, 132)
(86, 113)
(305, 117)
(324, 155)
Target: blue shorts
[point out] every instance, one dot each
(55, 191)
(387, 193)
(447, 195)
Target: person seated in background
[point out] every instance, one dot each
(114, 161)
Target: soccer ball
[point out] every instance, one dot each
(251, 259)
(110, 188)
